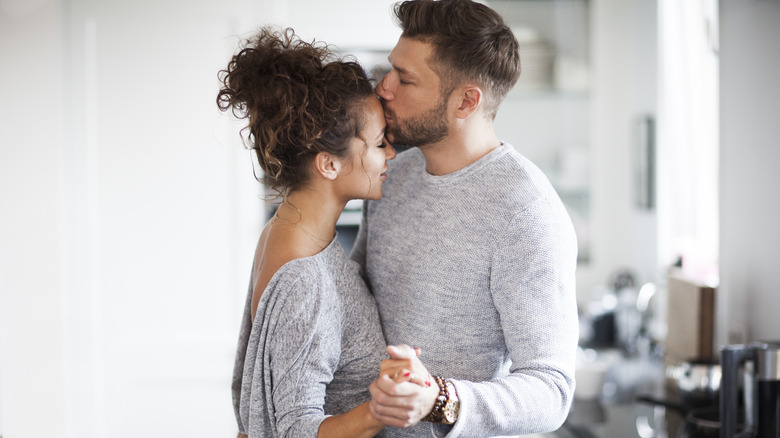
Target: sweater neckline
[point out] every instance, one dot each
(464, 171)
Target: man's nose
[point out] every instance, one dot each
(381, 89)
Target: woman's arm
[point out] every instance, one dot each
(303, 352)
(356, 423)
(361, 422)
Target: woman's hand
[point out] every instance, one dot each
(404, 366)
(404, 393)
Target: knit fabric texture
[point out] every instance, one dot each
(477, 269)
(314, 347)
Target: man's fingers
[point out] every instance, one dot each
(399, 404)
(395, 419)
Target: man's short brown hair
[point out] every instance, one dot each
(471, 43)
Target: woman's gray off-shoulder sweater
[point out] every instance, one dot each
(314, 347)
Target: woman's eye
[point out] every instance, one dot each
(381, 145)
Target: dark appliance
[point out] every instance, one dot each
(759, 363)
(697, 388)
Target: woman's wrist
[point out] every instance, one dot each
(357, 422)
(368, 418)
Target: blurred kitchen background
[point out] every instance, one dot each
(130, 210)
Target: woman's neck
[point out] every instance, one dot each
(314, 211)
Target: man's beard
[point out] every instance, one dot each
(421, 129)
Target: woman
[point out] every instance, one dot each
(310, 341)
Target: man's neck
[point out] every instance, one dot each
(458, 150)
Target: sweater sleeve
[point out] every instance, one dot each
(533, 287)
(304, 351)
(238, 367)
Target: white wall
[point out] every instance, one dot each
(348, 24)
(129, 209)
(750, 207)
(31, 352)
(620, 51)
(624, 87)
(129, 213)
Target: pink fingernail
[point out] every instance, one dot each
(407, 374)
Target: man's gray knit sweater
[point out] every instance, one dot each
(477, 269)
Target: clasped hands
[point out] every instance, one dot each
(405, 391)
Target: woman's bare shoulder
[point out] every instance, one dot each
(277, 247)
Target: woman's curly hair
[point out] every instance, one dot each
(299, 100)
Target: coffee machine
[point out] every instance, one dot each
(758, 365)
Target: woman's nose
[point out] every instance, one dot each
(389, 151)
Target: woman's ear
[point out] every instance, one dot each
(327, 165)
(470, 99)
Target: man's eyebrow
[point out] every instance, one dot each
(406, 73)
(400, 70)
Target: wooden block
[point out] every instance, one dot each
(691, 332)
(691, 320)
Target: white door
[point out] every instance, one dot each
(164, 210)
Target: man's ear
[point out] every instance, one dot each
(470, 100)
(327, 165)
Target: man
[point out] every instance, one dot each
(470, 253)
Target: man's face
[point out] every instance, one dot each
(415, 110)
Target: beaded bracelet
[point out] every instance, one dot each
(437, 413)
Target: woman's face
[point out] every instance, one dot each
(369, 154)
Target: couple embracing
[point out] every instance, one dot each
(455, 314)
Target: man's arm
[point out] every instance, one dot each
(533, 288)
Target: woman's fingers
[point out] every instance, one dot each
(404, 365)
